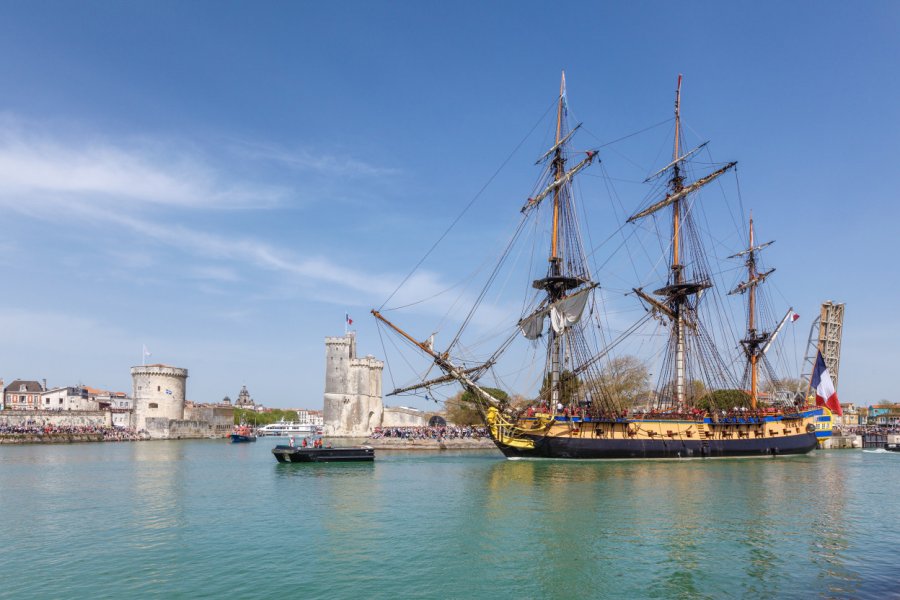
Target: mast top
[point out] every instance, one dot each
(677, 117)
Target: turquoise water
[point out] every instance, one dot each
(195, 519)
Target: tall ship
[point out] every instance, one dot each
(594, 401)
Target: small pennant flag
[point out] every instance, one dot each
(794, 317)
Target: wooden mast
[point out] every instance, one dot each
(555, 267)
(677, 184)
(559, 162)
(751, 325)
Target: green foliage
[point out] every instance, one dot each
(462, 408)
(569, 387)
(625, 382)
(724, 400)
(251, 417)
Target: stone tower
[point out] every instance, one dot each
(158, 392)
(353, 404)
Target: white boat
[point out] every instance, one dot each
(287, 428)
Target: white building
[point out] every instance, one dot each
(310, 417)
(68, 398)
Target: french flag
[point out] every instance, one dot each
(826, 395)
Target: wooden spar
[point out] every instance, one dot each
(775, 333)
(560, 143)
(443, 362)
(661, 307)
(672, 198)
(436, 380)
(678, 160)
(556, 184)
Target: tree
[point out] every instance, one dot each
(724, 400)
(790, 384)
(694, 391)
(569, 386)
(462, 408)
(625, 381)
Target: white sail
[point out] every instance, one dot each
(563, 313)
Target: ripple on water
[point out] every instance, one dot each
(207, 519)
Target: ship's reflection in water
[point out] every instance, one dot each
(695, 528)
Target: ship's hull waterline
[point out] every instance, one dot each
(636, 439)
(576, 448)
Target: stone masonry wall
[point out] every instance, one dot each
(78, 418)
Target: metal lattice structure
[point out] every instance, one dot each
(831, 325)
(828, 340)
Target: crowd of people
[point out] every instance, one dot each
(447, 432)
(110, 434)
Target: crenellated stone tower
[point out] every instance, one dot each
(158, 392)
(353, 404)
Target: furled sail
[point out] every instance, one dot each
(563, 314)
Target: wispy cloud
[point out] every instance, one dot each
(320, 162)
(34, 164)
(106, 185)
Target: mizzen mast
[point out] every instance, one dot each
(757, 342)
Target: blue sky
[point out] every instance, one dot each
(223, 181)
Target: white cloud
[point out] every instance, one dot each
(319, 162)
(36, 165)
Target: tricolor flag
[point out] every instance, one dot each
(349, 320)
(826, 395)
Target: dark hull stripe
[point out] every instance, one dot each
(590, 448)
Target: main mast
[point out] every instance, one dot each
(674, 302)
(554, 292)
(677, 186)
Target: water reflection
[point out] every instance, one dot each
(696, 528)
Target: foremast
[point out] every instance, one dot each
(567, 270)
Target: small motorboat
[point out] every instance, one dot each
(892, 447)
(290, 454)
(242, 434)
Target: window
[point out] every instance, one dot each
(154, 405)
(158, 389)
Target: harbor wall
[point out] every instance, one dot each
(68, 418)
(55, 438)
(159, 428)
(219, 418)
(400, 416)
(843, 442)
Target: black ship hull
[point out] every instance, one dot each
(290, 454)
(591, 448)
